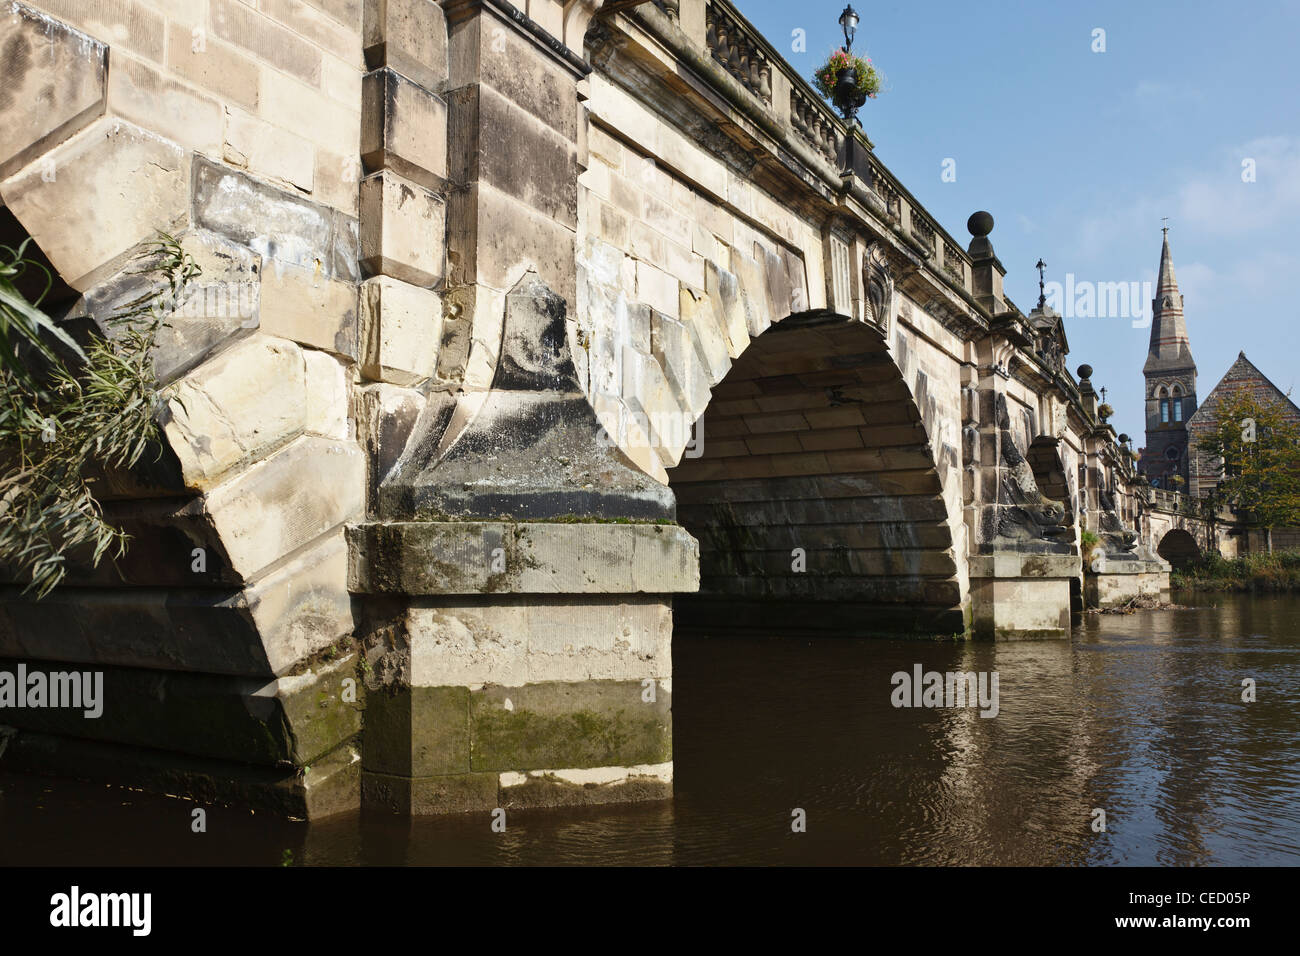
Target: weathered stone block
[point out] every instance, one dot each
(327, 396)
(292, 719)
(495, 239)
(723, 289)
(753, 293)
(410, 36)
(697, 315)
(674, 349)
(111, 187)
(403, 128)
(417, 731)
(35, 112)
(215, 66)
(311, 308)
(569, 724)
(277, 224)
(246, 29)
(652, 401)
(156, 101)
(417, 796)
(269, 511)
(267, 150)
(386, 418)
(236, 408)
(495, 141)
(455, 557)
(221, 302)
(488, 49)
(658, 289)
(403, 230)
(569, 638)
(401, 331)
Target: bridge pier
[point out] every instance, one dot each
(1018, 596)
(1123, 580)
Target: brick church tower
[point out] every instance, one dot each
(1170, 374)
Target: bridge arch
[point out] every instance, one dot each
(1179, 548)
(816, 496)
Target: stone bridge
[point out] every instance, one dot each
(521, 327)
(1182, 528)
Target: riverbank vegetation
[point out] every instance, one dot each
(1262, 572)
(66, 405)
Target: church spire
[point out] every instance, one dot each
(1169, 348)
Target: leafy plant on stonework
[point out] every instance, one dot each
(828, 74)
(1259, 445)
(1088, 544)
(1104, 411)
(65, 407)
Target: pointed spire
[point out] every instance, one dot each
(1167, 283)
(1169, 348)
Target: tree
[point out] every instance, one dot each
(1258, 443)
(65, 407)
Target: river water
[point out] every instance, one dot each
(1140, 716)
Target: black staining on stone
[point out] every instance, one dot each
(1023, 513)
(535, 352)
(15, 61)
(279, 224)
(1116, 538)
(1049, 473)
(533, 449)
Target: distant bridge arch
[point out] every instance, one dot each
(1179, 548)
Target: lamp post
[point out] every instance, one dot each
(848, 98)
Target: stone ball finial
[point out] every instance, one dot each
(980, 224)
(1123, 438)
(1085, 371)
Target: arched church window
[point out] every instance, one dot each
(1164, 405)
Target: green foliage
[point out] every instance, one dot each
(1259, 443)
(65, 407)
(1088, 543)
(825, 77)
(1261, 572)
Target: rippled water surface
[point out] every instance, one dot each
(1139, 715)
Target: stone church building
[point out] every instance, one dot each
(1170, 373)
(1175, 421)
(1206, 469)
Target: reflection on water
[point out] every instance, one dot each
(1139, 715)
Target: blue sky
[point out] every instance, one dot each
(1078, 154)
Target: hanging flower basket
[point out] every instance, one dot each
(1104, 411)
(826, 76)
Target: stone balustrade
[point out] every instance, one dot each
(813, 121)
(739, 51)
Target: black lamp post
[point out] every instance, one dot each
(847, 97)
(849, 21)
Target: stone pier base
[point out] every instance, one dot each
(1121, 581)
(1017, 595)
(518, 664)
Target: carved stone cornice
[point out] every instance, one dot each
(577, 14)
